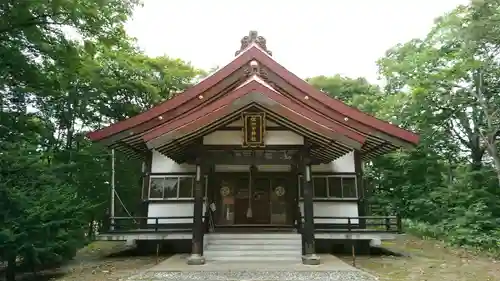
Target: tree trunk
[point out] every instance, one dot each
(90, 233)
(10, 273)
(477, 164)
(493, 151)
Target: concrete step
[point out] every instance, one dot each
(256, 253)
(253, 242)
(261, 258)
(255, 247)
(267, 236)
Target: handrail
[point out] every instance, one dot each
(115, 224)
(389, 223)
(349, 224)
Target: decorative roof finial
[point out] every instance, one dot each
(253, 37)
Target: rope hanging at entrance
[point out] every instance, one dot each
(249, 210)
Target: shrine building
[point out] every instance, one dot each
(254, 163)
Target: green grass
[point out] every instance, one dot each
(430, 260)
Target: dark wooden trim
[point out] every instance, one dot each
(144, 207)
(167, 201)
(262, 174)
(239, 129)
(308, 227)
(239, 147)
(247, 161)
(148, 163)
(331, 200)
(174, 174)
(198, 210)
(333, 174)
(184, 200)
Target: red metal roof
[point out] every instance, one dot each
(253, 53)
(286, 89)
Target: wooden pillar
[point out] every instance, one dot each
(210, 195)
(309, 257)
(196, 257)
(146, 175)
(358, 168)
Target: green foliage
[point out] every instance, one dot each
(42, 216)
(446, 87)
(68, 67)
(447, 84)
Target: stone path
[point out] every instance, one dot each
(176, 269)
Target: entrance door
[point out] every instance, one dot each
(268, 202)
(252, 203)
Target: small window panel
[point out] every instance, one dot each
(332, 187)
(320, 187)
(173, 187)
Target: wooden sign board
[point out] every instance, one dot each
(254, 129)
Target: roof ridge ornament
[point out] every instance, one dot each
(253, 37)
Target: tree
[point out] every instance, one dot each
(449, 84)
(68, 67)
(42, 216)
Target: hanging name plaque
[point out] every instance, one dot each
(253, 129)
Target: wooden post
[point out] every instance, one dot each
(157, 251)
(399, 223)
(353, 253)
(112, 212)
(310, 257)
(358, 168)
(196, 257)
(146, 174)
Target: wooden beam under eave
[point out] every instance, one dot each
(395, 141)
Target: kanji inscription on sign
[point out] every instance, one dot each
(254, 129)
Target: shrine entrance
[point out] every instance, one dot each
(264, 200)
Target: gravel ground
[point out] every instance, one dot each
(255, 276)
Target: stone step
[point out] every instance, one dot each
(255, 247)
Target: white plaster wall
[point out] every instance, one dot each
(163, 164)
(333, 209)
(344, 164)
(236, 138)
(171, 209)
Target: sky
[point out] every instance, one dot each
(309, 38)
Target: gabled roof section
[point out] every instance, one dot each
(256, 92)
(254, 65)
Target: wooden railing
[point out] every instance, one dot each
(390, 224)
(118, 224)
(358, 224)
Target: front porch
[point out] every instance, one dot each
(128, 229)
